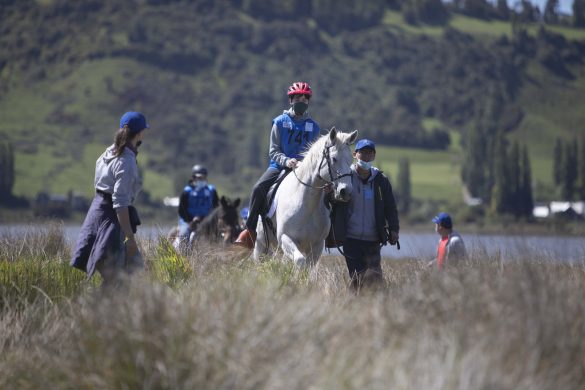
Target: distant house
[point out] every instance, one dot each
(171, 201)
(541, 211)
(562, 207)
(579, 207)
(568, 210)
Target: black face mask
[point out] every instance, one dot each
(300, 107)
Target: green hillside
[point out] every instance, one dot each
(210, 76)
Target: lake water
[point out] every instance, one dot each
(423, 245)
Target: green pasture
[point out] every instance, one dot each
(479, 27)
(473, 26)
(58, 163)
(434, 174)
(394, 20)
(58, 158)
(43, 171)
(476, 27)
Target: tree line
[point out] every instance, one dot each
(569, 169)
(6, 171)
(438, 12)
(499, 173)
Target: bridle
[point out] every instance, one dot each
(325, 158)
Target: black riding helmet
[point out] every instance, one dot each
(199, 170)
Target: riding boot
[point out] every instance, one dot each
(247, 239)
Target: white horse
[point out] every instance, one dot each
(301, 219)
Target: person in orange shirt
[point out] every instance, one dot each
(451, 249)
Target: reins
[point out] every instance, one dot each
(326, 157)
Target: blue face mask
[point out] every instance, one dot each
(364, 165)
(200, 184)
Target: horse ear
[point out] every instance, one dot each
(237, 202)
(223, 202)
(333, 135)
(353, 137)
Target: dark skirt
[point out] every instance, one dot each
(100, 237)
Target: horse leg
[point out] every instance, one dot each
(315, 253)
(192, 238)
(290, 249)
(260, 247)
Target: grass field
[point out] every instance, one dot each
(215, 319)
(474, 26)
(54, 159)
(434, 174)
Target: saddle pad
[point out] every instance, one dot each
(272, 208)
(271, 197)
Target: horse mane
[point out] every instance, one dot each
(208, 225)
(312, 156)
(226, 210)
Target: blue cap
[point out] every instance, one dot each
(135, 121)
(443, 219)
(365, 143)
(244, 212)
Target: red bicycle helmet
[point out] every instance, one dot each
(299, 88)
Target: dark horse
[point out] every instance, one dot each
(222, 224)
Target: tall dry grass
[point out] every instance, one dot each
(215, 319)
(34, 265)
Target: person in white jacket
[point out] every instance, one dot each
(451, 248)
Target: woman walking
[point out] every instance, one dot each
(106, 242)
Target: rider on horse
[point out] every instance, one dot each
(197, 200)
(291, 133)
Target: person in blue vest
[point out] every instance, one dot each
(291, 134)
(244, 217)
(196, 202)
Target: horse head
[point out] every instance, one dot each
(222, 224)
(228, 222)
(336, 163)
